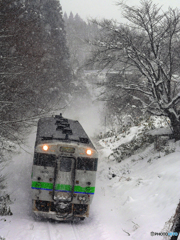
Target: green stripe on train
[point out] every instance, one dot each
(84, 189)
(42, 185)
(62, 187)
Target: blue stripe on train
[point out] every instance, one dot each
(59, 190)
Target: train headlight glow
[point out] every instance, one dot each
(45, 147)
(89, 152)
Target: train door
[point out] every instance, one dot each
(64, 179)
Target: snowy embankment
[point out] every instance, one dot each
(144, 186)
(132, 198)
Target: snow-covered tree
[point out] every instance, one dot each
(147, 46)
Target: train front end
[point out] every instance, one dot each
(63, 176)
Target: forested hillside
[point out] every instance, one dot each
(35, 73)
(79, 33)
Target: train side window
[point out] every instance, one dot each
(89, 164)
(46, 160)
(65, 164)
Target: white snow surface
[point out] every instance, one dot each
(132, 198)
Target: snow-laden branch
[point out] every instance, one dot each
(6, 102)
(137, 89)
(6, 36)
(13, 73)
(173, 101)
(144, 104)
(158, 82)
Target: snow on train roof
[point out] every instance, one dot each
(50, 128)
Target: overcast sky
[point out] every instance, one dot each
(105, 8)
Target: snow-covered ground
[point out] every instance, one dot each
(132, 199)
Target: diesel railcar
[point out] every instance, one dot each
(64, 170)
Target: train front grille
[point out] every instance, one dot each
(42, 205)
(80, 209)
(46, 206)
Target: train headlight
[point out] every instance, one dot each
(89, 152)
(45, 147)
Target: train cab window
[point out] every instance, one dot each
(65, 164)
(43, 159)
(89, 164)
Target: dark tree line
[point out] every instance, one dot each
(78, 32)
(35, 73)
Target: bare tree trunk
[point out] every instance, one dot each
(175, 126)
(176, 224)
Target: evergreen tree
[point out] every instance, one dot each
(56, 53)
(34, 71)
(78, 31)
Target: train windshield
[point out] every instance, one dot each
(43, 159)
(89, 164)
(65, 164)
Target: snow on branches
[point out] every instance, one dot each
(146, 47)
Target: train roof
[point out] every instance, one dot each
(62, 129)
